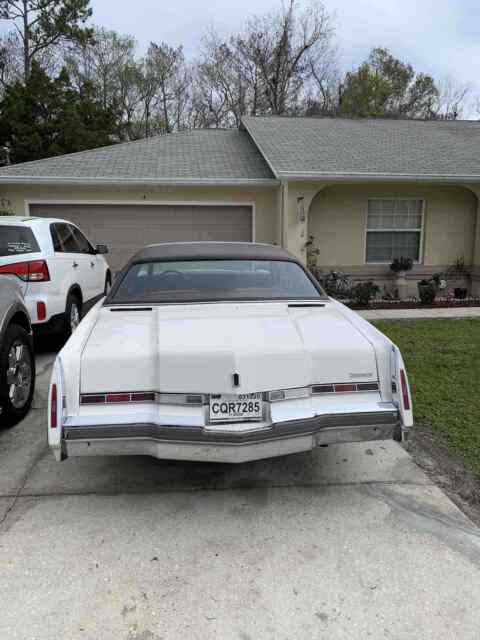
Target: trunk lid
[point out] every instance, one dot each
(198, 348)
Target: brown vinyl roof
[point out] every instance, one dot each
(211, 251)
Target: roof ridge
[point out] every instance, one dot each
(359, 119)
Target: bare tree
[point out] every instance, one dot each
(277, 65)
(451, 100)
(10, 61)
(324, 92)
(168, 69)
(148, 89)
(100, 61)
(107, 62)
(283, 45)
(219, 85)
(41, 24)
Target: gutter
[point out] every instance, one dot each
(174, 182)
(378, 177)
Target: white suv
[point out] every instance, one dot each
(62, 275)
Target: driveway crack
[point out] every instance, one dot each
(35, 460)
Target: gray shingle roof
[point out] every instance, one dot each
(201, 155)
(328, 147)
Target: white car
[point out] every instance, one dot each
(222, 352)
(60, 272)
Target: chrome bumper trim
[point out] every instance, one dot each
(308, 426)
(187, 443)
(222, 452)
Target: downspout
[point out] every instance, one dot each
(284, 214)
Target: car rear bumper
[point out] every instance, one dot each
(232, 443)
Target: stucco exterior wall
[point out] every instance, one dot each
(337, 220)
(335, 215)
(265, 199)
(295, 230)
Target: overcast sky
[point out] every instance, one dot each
(440, 37)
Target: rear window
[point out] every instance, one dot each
(16, 241)
(215, 280)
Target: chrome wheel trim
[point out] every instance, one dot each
(19, 374)
(74, 316)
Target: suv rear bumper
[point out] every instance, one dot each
(228, 445)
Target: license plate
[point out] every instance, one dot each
(226, 407)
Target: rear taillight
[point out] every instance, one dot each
(118, 397)
(113, 398)
(345, 387)
(403, 383)
(33, 271)
(53, 407)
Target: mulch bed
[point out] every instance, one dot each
(414, 303)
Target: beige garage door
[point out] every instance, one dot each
(128, 228)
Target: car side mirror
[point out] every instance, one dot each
(101, 248)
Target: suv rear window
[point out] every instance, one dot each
(15, 241)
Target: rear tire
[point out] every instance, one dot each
(17, 375)
(73, 315)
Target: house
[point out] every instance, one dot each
(366, 190)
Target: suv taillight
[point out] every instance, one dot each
(33, 271)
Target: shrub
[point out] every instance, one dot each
(312, 255)
(363, 292)
(336, 284)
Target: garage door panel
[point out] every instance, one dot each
(128, 228)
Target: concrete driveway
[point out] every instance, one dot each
(347, 542)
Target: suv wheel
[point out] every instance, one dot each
(73, 314)
(17, 375)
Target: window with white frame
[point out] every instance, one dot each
(394, 229)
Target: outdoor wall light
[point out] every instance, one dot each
(301, 209)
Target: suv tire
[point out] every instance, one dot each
(73, 314)
(17, 375)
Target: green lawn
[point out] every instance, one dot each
(443, 364)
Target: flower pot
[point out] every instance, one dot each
(427, 292)
(401, 284)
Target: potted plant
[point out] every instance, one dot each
(460, 293)
(400, 266)
(459, 271)
(427, 291)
